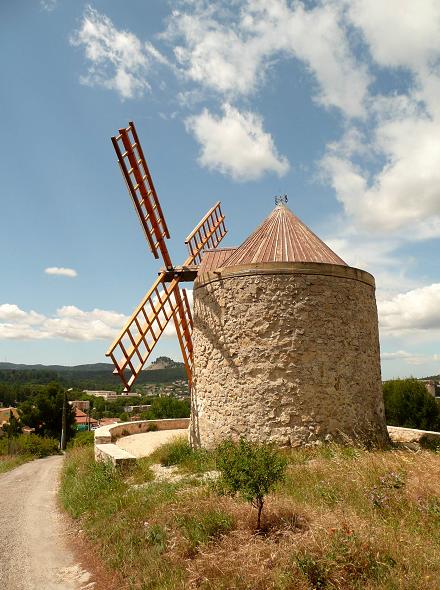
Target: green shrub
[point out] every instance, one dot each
(179, 452)
(408, 404)
(249, 469)
(40, 446)
(175, 452)
(85, 482)
(152, 428)
(82, 439)
(168, 407)
(29, 444)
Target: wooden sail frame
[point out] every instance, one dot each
(141, 188)
(164, 301)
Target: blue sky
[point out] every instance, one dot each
(334, 102)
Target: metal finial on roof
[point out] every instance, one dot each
(280, 199)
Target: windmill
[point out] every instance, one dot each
(165, 300)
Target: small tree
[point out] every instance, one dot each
(12, 429)
(249, 469)
(408, 404)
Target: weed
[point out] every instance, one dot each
(201, 529)
(156, 536)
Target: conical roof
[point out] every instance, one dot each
(282, 237)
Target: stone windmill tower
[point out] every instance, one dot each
(283, 346)
(285, 342)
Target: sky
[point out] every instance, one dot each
(334, 102)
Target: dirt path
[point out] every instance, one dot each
(143, 444)
(33, 554)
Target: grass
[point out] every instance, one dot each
(343, 519)
(8, 462)
(24, 448)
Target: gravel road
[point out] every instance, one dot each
(33, 554)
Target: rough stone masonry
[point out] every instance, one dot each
(286, 352)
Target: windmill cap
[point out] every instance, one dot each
(283, 237)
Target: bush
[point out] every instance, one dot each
(251, 470)
(168, 407)
(82, 439)
(179, 452)
(408, 404)
(29, 444)
(40, 446)
(174, 453)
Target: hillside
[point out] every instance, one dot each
(89, 376)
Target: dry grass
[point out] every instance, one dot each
(344, 519)
(8, 462)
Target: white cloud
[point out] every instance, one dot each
(118, 59)
(416, 310)
(400, 192)
(400, 33)
(236, 144)
(61, 271)
(409, 357)
(231, 51)
(69, 323)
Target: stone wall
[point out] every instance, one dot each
(111, 432)
(286, 353)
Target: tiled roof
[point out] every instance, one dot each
(214, 258)
(282, 237)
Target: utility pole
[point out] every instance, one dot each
(64, 422)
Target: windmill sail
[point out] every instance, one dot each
(208, 233)
(141, 188)
(131, 349)
(164, 301)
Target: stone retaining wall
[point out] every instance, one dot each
(110, 433)
(105, 436)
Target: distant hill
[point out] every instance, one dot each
(91, 367)
(163, 362)
(89, 376)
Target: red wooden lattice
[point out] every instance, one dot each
(141, 188)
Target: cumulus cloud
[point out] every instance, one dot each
(415, 310)
(400, 192)
(236, 144)
(69, 323)
(230, 52)
(60, 271)
(400, 33)
(118, 59)
(409, 357)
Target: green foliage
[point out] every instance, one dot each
(82, 439)
(157, 537)
(179, 452)
(249, 469)
(85, 483)
(29, 444)
(168, 407)
(175, 452)
(13, 427)
(205, 527)
(44, 412)
(15, 379)
(408, 404)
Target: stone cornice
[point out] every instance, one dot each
(285, 268)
